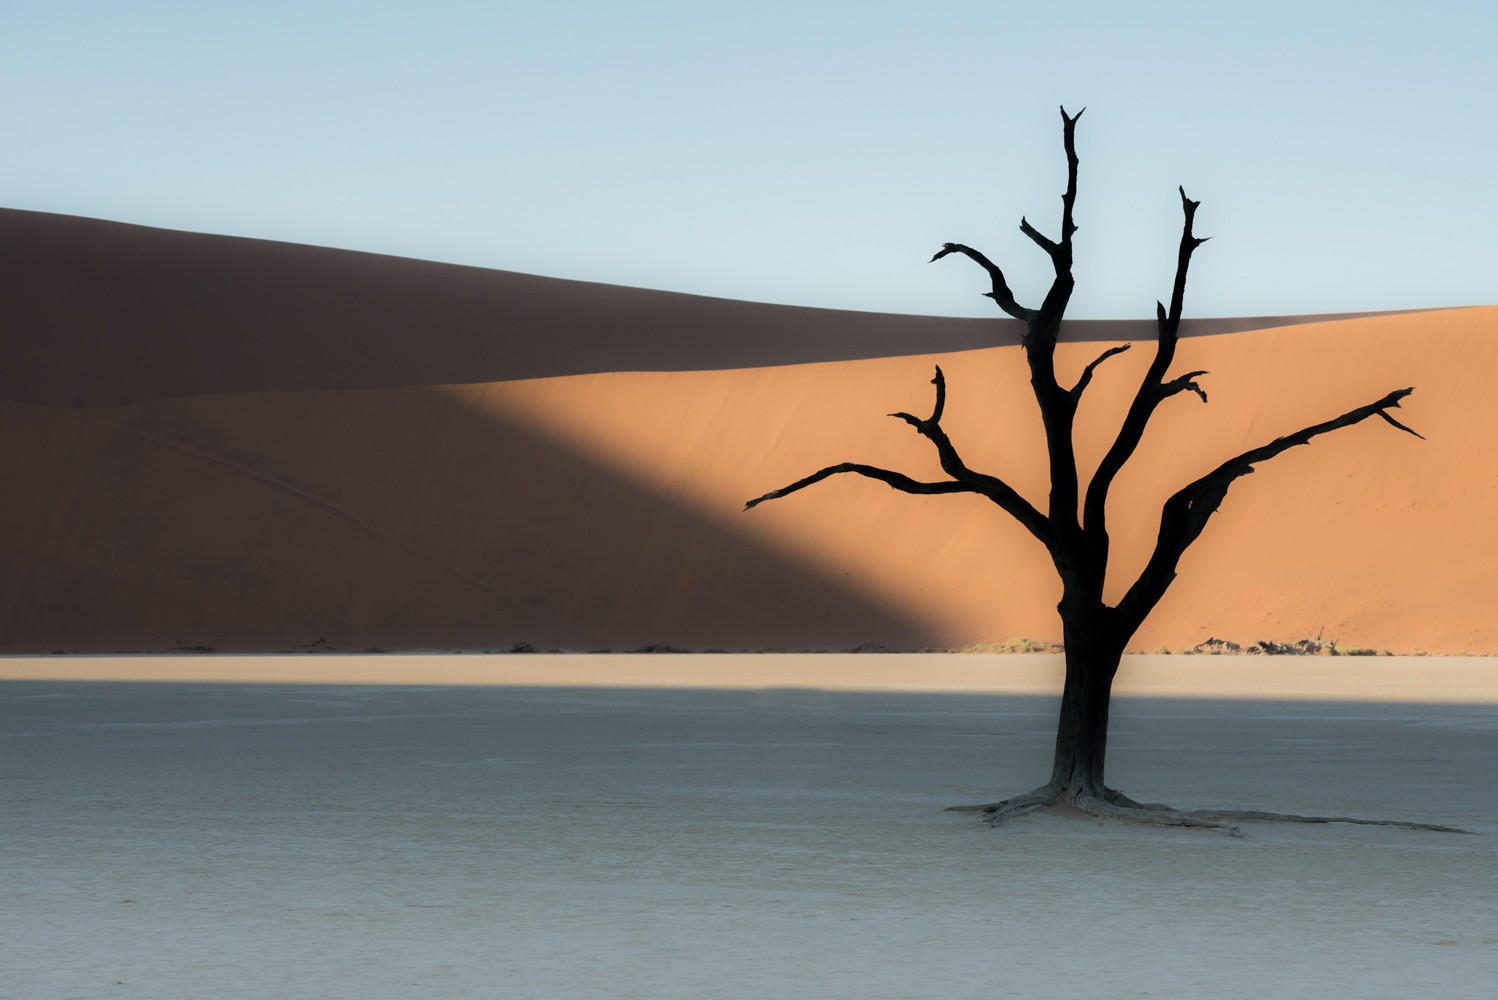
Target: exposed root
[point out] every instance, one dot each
(1254, 816)
(996, 812)
(1113, 804)
(1118, 798)
(1153, 814)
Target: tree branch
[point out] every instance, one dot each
(895, 480)
(1044, 242)
(1046, 324)
(992, 487)
(1057, 405)
(940, 382)
(1076, 390)
(964, 480)
(1396, 423)
(1189, 243)
(1187, 511)
(1151, 392)
(1001, 293)
(1069, 199)
(1045, 320)
(1182, 383)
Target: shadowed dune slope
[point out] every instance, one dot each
(169, 490)
(376, 519)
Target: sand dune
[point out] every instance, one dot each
(252, 446)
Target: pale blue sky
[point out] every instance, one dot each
(807, 153)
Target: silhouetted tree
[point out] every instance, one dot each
(1094, 632)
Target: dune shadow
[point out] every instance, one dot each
(389, 519)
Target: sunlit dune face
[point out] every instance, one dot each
(1369, 535)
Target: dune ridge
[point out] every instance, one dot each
(104, 313)
(197, 466)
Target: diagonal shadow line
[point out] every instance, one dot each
(397, 519)
(102, 313)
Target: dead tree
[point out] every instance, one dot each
(1094, 632)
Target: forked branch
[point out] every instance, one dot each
(1187, 511)
(940, 381)
(964, 480)
(1184, 383)
(1189, 243)
(1045, 243)
(952, 464)
(1152, 388)
(1047, 322)
(1048, 316)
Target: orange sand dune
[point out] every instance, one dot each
(252, 447)
(1371, 535)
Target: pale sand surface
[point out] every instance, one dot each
(172, 840)
(1414, 679)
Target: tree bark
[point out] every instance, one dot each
(1093, 654)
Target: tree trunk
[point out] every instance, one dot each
(1092, 658)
